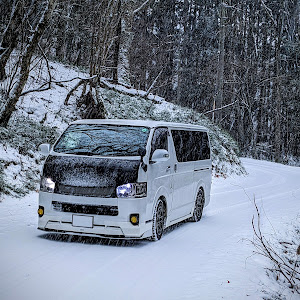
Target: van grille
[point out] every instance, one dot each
(85, 209)
(103, 192)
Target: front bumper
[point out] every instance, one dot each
(118, 226)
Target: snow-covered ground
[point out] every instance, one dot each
(211, 259)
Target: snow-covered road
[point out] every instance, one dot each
(211, 259)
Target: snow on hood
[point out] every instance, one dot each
(89, 176)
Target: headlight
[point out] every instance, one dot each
(47, 185)
(136, 190)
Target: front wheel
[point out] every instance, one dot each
(199, 205)
(159, 219)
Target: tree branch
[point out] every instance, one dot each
(141, 7)
(269, 12)
(41, 88)
(216, 109)
(73, 90)
(153, 83)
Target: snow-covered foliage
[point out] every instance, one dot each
(42, 116)
(19, 159)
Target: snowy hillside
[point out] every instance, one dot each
(42, 116)
(209, 260)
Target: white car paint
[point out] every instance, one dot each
(176, 182)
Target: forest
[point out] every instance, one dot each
(236, 62)
(229, 66)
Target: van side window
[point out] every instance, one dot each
(182, 145)
(159, 139)
(204, 149)
(191, 145)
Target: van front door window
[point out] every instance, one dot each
(160, 139)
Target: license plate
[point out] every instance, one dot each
(82, 221)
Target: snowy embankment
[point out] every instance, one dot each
(42, 116)
(211, 259)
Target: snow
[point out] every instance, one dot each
(48, 106)
(212, 259)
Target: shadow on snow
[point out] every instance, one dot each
(68, 238)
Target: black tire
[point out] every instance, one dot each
(199, 205)
(159, 220)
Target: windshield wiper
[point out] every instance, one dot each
(81, 153)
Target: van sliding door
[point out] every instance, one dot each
(183, 182)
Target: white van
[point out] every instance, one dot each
(124, 178)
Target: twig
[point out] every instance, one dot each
(264, 248)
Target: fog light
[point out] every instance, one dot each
(134, 219)
(41, 211)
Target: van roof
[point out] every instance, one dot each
(145, 123)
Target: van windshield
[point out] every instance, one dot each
(103, 140)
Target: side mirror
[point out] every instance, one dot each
(160, 155)
(142, 152)
(45, 149)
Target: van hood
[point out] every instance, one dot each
(89, 176)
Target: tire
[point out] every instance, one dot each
(159, 219)
(199, 205)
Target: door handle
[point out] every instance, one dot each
(175, 168)
(168, 168)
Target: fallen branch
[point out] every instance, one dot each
(72, 91)
(129, 91)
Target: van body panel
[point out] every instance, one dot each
(84, 200)
(183, 190)
(202, 178)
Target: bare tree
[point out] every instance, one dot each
(33, 40)
(11, 35)
(127, 10)
(218, 101)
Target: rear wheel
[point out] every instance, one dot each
(199, 205)
(159, 218)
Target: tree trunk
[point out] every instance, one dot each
(25, 63)
(220, 74)
(125, 41)
(117, 48)
(278, 139)
(10, 37)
